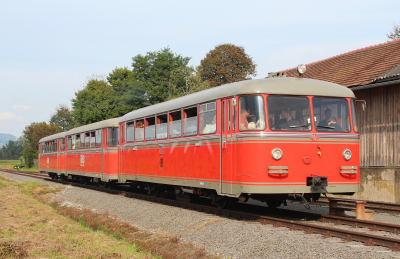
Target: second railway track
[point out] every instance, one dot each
(309, 228)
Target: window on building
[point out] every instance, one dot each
(190, 121)
(208, 118)
(150, 129)
(162, 125)
(175, 124)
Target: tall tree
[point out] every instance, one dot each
(131, 94)
(226, 63)
(62, 118)
(395, 34)
(153, 70)
(97, 101)
(11, 151)
(192, 82)
(30, 139)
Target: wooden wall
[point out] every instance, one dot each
(379, 126)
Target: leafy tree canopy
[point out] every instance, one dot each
(154, 71)
(11, 151)
(226, 63)
(395, 34)
(62, 118)
(30, 139)
(97, 101)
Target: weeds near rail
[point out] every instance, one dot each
(12, 249)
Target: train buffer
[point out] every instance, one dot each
(361, 212)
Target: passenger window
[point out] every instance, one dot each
(289, 113)
(69, 143)
(150, 129)
(252, 116)
(130, 132)
(190, 122)
(63, 144)
(113, 137)
(87, 140)
(55, 145)
(208, 118)
(92, 139)
(161, 127)
(229, 115)
(139, 130)
(83, 135)
(98, 138)
(175, 126)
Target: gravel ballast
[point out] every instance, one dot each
(224, 236)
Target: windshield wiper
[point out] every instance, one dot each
(327, 127)
(298, 126)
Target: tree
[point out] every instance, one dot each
(11, 151)
(193, 82)
(395, 34)
(226, 63)
(62, 118)
(30, 139)
(97, 101)
(154, 70)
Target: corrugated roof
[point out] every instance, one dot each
(358, 67)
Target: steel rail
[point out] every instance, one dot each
(376, 206)
(309, 228)
(26, 173)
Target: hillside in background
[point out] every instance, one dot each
(4, 138)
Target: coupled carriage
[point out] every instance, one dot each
(269, 139)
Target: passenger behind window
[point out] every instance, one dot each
(162, 128)
(286, 121)
(244, 114)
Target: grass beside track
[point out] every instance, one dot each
(32, 225)
(9, 165)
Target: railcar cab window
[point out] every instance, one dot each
(208, 118)
(139, 130)
(150, 129)
(190, 121)
(98, 138)
(289, 113)
(353, 114)
(175, 126)
(331, 114)
(130, 132)
(162, 125)
(113, 137)
(252, 116)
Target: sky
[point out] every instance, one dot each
(48, 49)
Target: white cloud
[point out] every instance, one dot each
(9, 116)
(19, 107)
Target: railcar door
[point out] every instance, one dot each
(226, 146)
(104, 144)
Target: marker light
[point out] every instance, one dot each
(276, 153)
(347, 154)
(301, 69)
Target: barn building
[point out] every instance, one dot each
(373, 73)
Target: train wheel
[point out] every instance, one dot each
(222, 202)
(274, 204)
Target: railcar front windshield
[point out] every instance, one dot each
(289, 113)
(331, 114)
(252, 115)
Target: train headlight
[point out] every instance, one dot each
(347, 154)
(301, 69)
(276, 153)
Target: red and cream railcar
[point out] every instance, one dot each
(268, 139)
(91, 152)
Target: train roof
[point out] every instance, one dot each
(53, 137)
(282, 85)
(97, 125)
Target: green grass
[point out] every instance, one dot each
(10, 164)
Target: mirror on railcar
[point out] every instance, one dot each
(289, 113)
(331, 114)
(208, 118)
(252, 115)
(175, 124)
(162, 125)
(150, 128)
(190, 121)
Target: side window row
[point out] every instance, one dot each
(49, 146)
(89, 139)
(186, 122)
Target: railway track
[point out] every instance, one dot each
(256, 215)
(392, 208)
